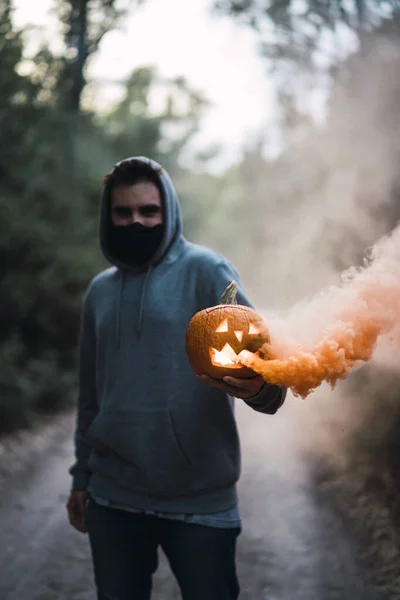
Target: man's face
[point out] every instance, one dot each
(138, 203)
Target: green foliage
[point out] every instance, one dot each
(294, 32)
(136, 127)
(52, 163)
(85, 22)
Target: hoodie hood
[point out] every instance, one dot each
(172, 219)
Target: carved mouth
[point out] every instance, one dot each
(226, 357)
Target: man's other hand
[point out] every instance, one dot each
(76, 507)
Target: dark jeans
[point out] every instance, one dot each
(124, 549)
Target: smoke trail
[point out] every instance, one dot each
(324, 338)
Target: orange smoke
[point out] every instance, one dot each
(343, 324)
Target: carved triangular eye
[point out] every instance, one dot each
(253, 329)
(222, 327)
(239, 335)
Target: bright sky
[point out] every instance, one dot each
(181, 37)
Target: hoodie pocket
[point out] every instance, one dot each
(152, 457)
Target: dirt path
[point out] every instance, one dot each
(292, 546)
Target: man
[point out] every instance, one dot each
(157, 450)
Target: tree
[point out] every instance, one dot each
(161, 132)
(135, 127)
(31, 300)
(317, 208)
(49, 212)
(85, 24)
(300, 32)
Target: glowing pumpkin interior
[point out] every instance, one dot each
(227, 357)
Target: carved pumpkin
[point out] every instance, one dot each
(216, 335)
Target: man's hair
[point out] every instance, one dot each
(132, 171)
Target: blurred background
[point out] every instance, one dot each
(279, 124)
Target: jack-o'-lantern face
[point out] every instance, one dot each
(217, 335)
(231, 341)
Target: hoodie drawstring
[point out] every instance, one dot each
(142, 297)
(141, 306)
(118, 311)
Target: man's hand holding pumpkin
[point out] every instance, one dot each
(235, 386)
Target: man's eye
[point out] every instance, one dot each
(150, 210)
(120, 211)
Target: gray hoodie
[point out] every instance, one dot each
(149, 434)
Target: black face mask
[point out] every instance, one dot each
(135, 244)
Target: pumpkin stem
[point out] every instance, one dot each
(229, 294)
